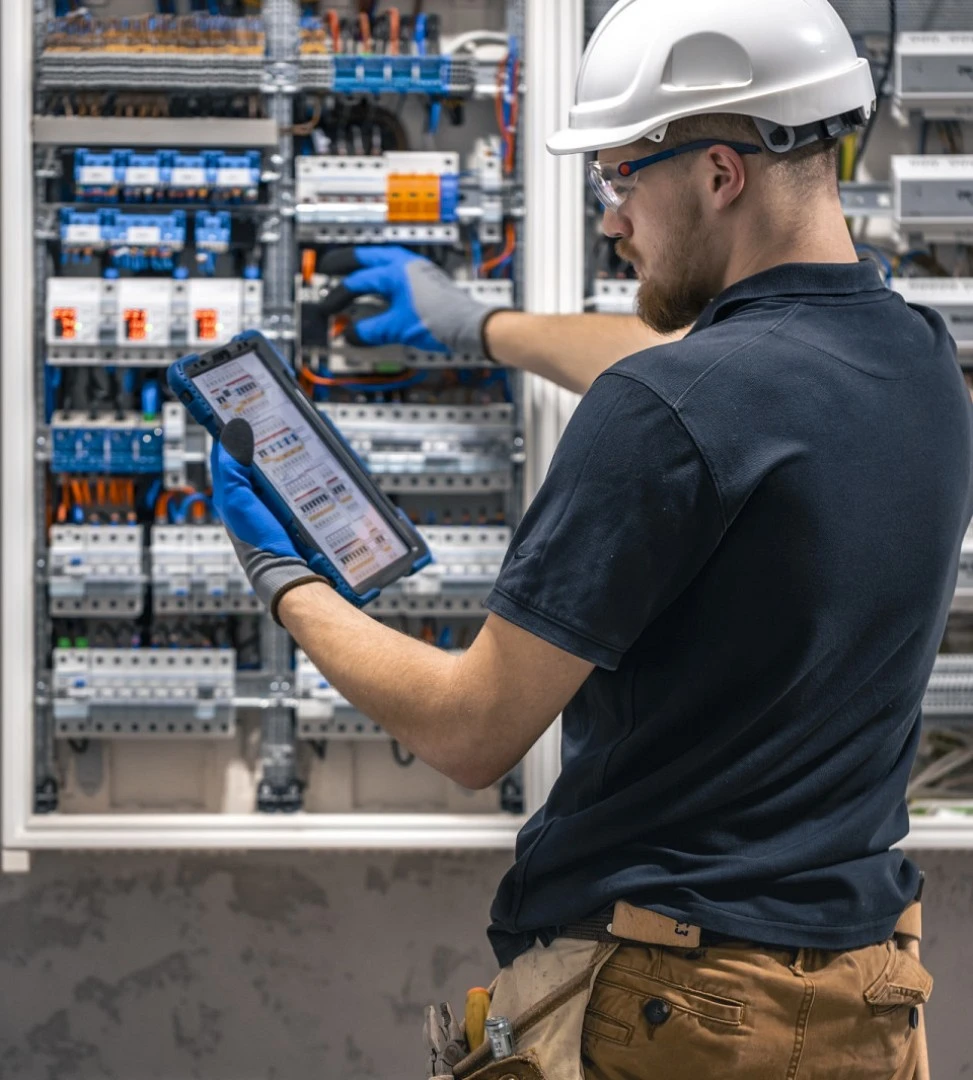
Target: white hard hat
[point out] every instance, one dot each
(789, 64)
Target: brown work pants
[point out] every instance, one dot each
(740, 1011)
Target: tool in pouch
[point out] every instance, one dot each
(546, 993)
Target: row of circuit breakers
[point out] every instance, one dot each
(104, 571)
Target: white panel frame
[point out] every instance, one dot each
(553, 237)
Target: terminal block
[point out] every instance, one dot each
(340, 357)
(932, 196)
(96, 175)
(110, 443)
(194, 568)
(431, 448)
(149, 693)
(614, 297)
(466, 562)
(934, 75)
(213, 232)
(160, 175)
(106, 229)
(323, 713)
(397, 187)
(951, 297)
(440, 75)
(96, 570)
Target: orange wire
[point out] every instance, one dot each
(394, 25)
(509, 247)
(366, 31)
(309, 262)
(65, 504)
(353, 380)
(162, 503)
(334, 24)
(514, 117)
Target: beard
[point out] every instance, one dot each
(669, 304)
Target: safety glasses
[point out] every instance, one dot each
(612, 184)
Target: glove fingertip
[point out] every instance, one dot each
(237, 440)
(340, 262)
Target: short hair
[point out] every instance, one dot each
(806, 167)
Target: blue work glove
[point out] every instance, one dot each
(426, 309)
(266, 553)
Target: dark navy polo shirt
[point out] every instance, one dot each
(754, 535)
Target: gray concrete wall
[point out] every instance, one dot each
(297, 966)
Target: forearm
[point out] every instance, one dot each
(414, 691)
(570, 350)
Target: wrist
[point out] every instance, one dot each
(290, 603)
(491, 330)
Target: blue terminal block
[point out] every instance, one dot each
(213, 232)
(96, 176)
(189, 177)
(235, 177)
(165, 231)
(116, 446)
(113, 229)
(394, 75)
(142, 175)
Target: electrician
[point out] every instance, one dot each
(732, 583)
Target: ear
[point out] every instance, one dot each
(726, 176)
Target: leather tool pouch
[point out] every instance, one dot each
(519, 1067)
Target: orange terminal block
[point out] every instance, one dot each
(413, 198)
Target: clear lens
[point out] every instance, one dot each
(608, 188)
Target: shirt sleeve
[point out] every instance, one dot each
(624, 520)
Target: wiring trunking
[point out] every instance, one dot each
(147, 631)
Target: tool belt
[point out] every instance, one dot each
(545, 992)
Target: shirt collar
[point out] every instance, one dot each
(797, 280)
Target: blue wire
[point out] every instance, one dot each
(476, 249)
(880, 256)
(188, 503)
(152, 495)
(911, 256)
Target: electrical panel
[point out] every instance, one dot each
(933, 196)
(933, 75)
(201, 168)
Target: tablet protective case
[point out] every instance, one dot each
(185, 390)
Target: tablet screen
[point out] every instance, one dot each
(302, 470)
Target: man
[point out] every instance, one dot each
(733, 581)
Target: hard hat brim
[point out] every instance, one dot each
(578, 141)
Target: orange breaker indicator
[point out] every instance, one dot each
(135, 324)
(207, 324)
(65, 323)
